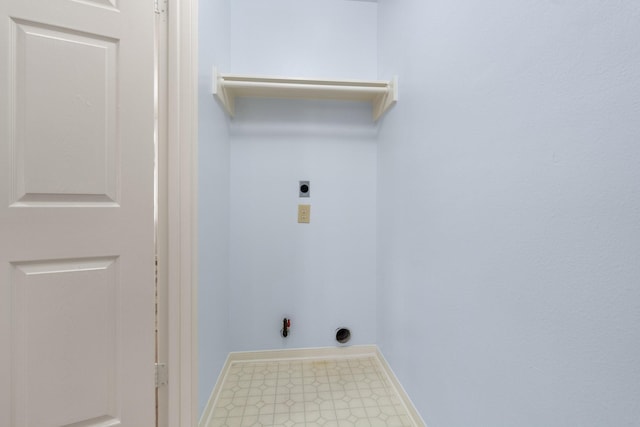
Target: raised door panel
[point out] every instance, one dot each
(66, 343)
(103, 3)
(65, 130)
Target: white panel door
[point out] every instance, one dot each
(76, 213)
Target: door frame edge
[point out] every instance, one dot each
(182, 218)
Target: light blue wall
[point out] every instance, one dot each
(506, 185)
(213, 199)
(509, 211)
(256, 263)
(322, 275)
(306, 38)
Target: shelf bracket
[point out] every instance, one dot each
(218, 90)
(386, 100)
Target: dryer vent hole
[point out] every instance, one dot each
(343, 335)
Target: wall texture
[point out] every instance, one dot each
(509, 211)
(322, 275)
(306, 38)
(213, 199)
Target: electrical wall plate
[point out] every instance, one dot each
(304, 214)
(304, 189)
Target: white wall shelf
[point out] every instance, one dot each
(381, 94)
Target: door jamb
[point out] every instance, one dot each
(182, 130)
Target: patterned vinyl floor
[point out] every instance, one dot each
(345, 392)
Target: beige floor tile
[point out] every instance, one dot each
(353, 392)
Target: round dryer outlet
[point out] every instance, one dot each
(343, 335)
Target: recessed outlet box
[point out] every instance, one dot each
(305, 189)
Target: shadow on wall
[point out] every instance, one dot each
(286, 117)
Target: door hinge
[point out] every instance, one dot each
(162, 376)
(160, 6)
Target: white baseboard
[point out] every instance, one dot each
(411, 409)
(207, 414)
(310, 353)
